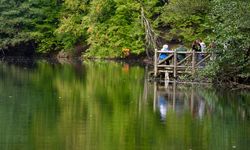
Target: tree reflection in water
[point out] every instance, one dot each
(107, 105)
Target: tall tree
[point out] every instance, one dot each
(71, 28)
(232, 37)
(113, 25)
(28, 24)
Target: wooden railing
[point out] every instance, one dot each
(174, 64)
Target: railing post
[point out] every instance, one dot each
(193, 62)
(155, 63)
(175, 64)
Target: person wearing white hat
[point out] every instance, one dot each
(164, 55)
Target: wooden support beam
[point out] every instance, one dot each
(204, 59)
(170, 66)
(193, 62)
(183, 60)
(155, 63)
(166, 75)
(160, 62)
(175, 64)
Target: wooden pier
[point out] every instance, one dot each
(172, 65)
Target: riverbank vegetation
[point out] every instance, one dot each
(106, 28)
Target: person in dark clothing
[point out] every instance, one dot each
(181, 48)
(196, 46)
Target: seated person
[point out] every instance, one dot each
(164, 55)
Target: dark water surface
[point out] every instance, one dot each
(111, 106)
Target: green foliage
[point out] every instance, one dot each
(110, 32)
(232, 38)
(70, 31)
(106, 26)
(45, 24)
(13, 20)
(186, 19)
(28, 21)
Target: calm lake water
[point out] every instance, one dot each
(105, 105)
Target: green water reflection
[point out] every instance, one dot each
(108, 105)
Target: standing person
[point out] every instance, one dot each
(202, 45)
(203, 49)
(196, 46)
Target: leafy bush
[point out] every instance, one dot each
(232, 38)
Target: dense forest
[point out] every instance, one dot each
(105, 28)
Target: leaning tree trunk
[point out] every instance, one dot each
(150, 36)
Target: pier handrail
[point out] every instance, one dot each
(190, 60)
(182, 52)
